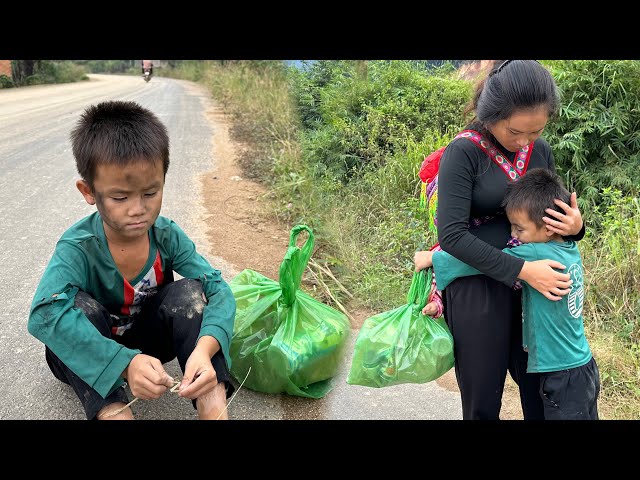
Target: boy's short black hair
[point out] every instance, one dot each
(118, 133)
(534, 192)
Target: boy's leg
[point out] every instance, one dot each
(168, 327)
(213, 405)
(91, 400)
(571, 394)
(593, 373)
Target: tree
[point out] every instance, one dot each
(22, 69)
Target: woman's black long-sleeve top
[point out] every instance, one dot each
(471, 185)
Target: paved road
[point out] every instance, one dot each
(38, 201)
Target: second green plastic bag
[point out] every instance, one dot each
(292, 342)
(402, 345)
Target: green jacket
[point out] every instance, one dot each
(82, 262)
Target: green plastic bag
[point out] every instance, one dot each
(402, 345)
(292, 342)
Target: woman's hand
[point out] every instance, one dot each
(422, 260)
(567, 224)
(549, 282)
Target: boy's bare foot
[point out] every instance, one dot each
(212, 405)
(107, 412)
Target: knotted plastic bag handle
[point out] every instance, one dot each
(294, 263)
(420, 288)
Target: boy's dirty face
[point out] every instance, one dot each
(524, 229)
(128, 198)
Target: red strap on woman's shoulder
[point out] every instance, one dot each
(512, 170)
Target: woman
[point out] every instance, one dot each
(511, 108)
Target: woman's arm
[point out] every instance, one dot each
(455, 190)
(541, 275)
(456, 177)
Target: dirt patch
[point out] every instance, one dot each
(359, 316)
(242, 231)
(510, 410)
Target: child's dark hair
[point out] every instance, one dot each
(512, 85)
(534, 192)
(118, 133)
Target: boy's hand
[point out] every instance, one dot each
(430, 309)
(422, 260)
(199, 375)
(146, 377)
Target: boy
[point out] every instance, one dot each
(107, 307)
(553, 331)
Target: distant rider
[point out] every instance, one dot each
(147, 65)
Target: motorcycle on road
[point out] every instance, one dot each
(147, 70)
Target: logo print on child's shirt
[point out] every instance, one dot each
(576, 295)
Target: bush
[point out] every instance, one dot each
(355, 122)
(66, 72)
(596, 139)
(48, 71)
(109, 66)
(615, 249)
(6, 82)
(38, 79)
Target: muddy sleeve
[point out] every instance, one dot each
(58, 323)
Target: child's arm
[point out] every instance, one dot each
(59, 324)
(219, 313)
(449, 268)
(446, 267)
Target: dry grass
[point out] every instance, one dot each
(619, 377)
